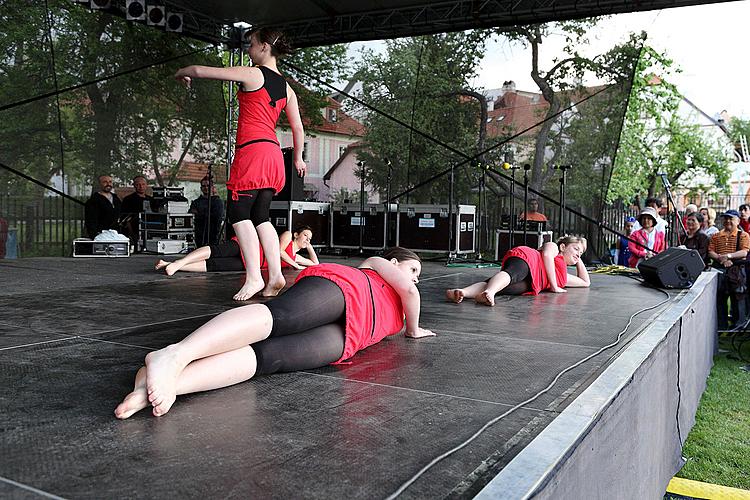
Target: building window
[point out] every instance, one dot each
(332, 114)
(306, 152)
(342, 151)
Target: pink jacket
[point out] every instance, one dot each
(638, 250)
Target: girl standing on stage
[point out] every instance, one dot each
(526, 271)
(228, 256)
(258, 168)
(331, 312)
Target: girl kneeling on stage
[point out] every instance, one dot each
(228, 256)
(331, 312)
(526, 271)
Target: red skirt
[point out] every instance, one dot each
(257, 166)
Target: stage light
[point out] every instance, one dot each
(506, 166)
(155, 15)
(135, 10)
(100, 4)
(174, 22)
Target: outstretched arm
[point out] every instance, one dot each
(406, 290)
(284, 239)
(549, 252)
(250, 78)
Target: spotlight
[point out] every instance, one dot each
(100, 4)
(174, 22)
(135, 10)
(155, 15)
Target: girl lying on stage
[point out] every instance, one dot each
(526, 271)
(228, 256)
(331, 312)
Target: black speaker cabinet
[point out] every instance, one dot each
(348, 218)
(287, 215)
(672, 268)
(294, 187)
(426, 228)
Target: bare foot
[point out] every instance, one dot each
(163, 367)
(486, 298)
(249, 289)
(172, 268)
(273, 287)
(455, 295)
(161, 264)
(136, 400)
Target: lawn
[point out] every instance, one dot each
(718, 447)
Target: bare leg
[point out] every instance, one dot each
(496, 283)
(270, 242)
(228, 331)
(469, 292)
(213, 372)
(197, 256)
(247, 237)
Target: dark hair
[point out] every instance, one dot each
(697, 216)
(744, 206)
(301, 227)
(654, 201)
(280, 44)
(139, 176)
(98, 177)
(400, 254)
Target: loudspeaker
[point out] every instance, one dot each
(294, 187)
(673, 268)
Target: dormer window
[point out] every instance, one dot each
(332, 114)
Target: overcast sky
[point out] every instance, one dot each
(709, 42)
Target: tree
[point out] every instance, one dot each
(418, 80)
(657, 138)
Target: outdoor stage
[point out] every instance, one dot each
(73, 332)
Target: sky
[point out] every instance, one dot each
(708, 42)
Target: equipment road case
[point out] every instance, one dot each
(287, 215)
(426, 228)
(348, 218)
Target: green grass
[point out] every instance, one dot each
(718, 447)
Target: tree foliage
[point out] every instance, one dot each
(418, 81)
(658, 138)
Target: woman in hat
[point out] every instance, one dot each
(647, 241)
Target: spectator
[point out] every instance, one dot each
(207, 232)
(102, 210)
(622, 251)
(656, 204)
(726, 248)
(709, 219)
(132, 206)
(647, 241)
(533, 213)
(745, 217)
(695, 238)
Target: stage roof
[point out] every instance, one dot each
(324, 22)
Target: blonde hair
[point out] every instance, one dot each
(711, 214)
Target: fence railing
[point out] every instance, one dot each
(46, 226)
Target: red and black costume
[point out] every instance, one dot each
(525, 266)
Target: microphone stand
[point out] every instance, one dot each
(670, 199)
(361, 166)
(387, 201)
(564, 169)
(207, 229)
(526, 168)
(513, 217)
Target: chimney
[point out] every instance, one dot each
(509, 86)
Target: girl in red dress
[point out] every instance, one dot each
(526, 271)
(331, 312)
(228, 256)
(257, 171)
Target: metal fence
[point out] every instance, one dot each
(45, 226)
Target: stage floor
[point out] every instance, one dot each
(73, 332)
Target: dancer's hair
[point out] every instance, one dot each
(400, 254)
(569, 239)
(280, 44)
(301, 227)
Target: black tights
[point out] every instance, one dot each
(308, 330)
(520, 277)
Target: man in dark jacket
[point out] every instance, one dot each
(207, 231)
(103, 208)
(132, 205)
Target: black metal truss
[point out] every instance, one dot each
(437, 17)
